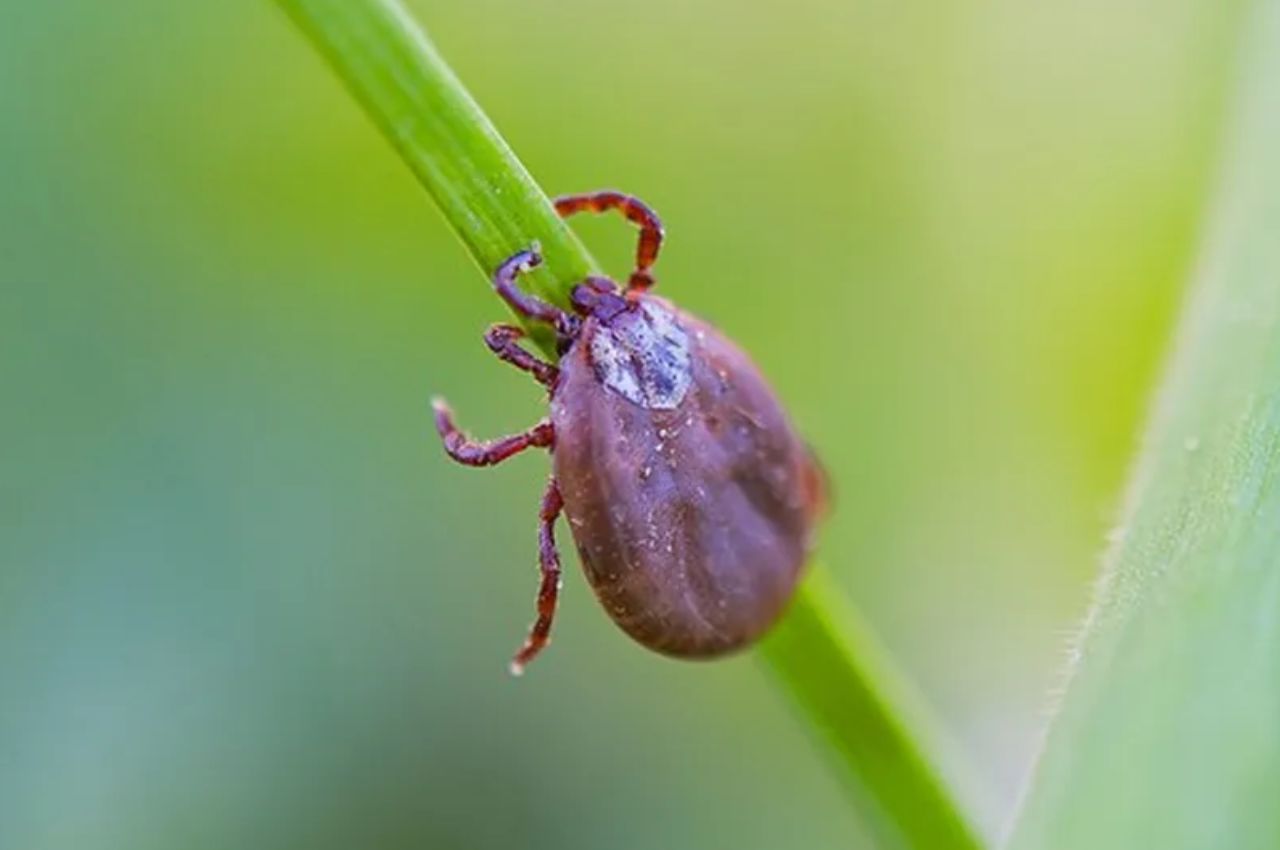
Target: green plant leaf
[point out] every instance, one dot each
(847, 689)
(485, 193)
(1169, 732)
(877, 733)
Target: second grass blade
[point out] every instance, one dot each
(1169, 735)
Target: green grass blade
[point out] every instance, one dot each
(825, 660)
(1169, 732)
(869, 719)
(485, 193)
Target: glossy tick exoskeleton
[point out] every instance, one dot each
(690, 497)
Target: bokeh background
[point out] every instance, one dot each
(246, 602)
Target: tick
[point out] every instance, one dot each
(691, 498)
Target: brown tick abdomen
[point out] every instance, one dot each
(690, 497)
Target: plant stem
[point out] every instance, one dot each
(485, 193)
(855, 698)
(826, 660)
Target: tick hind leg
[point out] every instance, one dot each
(470, 452)
(549, 588)
(638, 213)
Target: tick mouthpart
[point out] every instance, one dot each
(598, 297)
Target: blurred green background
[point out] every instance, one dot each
(246, 602)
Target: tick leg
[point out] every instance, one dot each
(637, 212)
(549, 589)
(504, 281)
(503, 341)
(470, 452)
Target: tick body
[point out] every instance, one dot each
(691, 499)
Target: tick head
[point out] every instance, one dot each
(598, 297)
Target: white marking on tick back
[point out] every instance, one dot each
(644, 357)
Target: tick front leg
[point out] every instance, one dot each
(535, 309)
(637, 212)
(503, 340)
(470, 452)
(549, 589)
